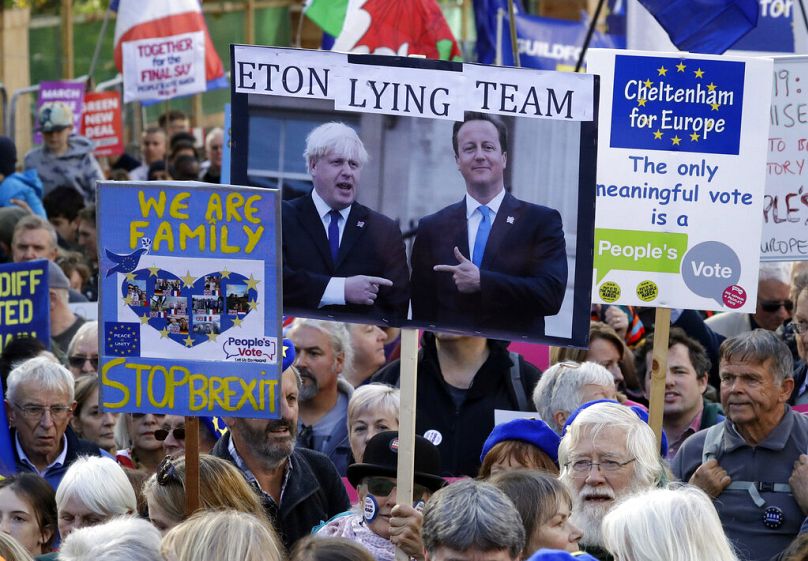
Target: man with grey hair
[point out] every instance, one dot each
(298, 488)
(39, 405)
(472, 520)
(774, 304)
(322, 352)
(565, 386)
(340, 256)
(606, 454)
(754, 463)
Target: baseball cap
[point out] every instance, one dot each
(55, 116)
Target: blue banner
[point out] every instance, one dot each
(24, 302)
(552, 44)
(774, 32)
(678, 105)
(190, 299)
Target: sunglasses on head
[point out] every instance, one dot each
(77, 361)
(382, 487)
(772, 306)
(162, 434)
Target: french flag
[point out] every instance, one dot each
(144, 19)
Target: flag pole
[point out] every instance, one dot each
(512, 25)
(99, 41)
(589, 33)
(804, 17)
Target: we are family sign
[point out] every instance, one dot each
(680, 180)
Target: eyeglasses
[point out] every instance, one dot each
(77, 361)
(800, 327)
(162, 434)
(382, 487)
(36, 412)
(581, 467)
(772, 306)
(167, 473)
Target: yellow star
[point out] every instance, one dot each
(641, 102)
(225, 273)
(212, 336)
(715, 106)
(236, 322)
(130, 276)
(662, 71)
(144, 319)
(188, 341)
(657, 134)
(163, 333)
(188, 280)
(127, 300)
(676, 140)
(681, 66)
(694, 136)
(252, 283)
(698, 72)
(711, 86)
(153, 270)
(253, 304)
(648, 83)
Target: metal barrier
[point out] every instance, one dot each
(4, 103)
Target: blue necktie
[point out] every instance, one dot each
(333, 234)
(482, 235)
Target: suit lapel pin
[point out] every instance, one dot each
(509, 220)
(360, 224)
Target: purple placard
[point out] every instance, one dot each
(71, 93)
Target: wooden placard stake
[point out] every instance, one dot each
(191, 465)
(406, 422)
(659, 370)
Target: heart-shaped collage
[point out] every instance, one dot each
(189, 310)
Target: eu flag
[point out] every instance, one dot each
(704, 26)
(485, 16)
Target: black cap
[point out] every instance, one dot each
(381, 458)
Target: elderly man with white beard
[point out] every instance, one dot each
(607, 454)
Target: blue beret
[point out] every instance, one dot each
(532, 431)
(639, 411)
(288, 354)
(560, 555)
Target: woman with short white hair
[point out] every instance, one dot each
(93, 490)
(120, 539)
(373, 408)
(680, 524)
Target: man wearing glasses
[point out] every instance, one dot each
(607, 453)
(774, 304)
(39, 404)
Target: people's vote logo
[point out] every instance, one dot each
(711, 270)
(194, 310)
(677, 104)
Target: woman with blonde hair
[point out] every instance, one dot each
(221, 486)
(677, 523)
(220, 535)
(12, 550)
(373, 408)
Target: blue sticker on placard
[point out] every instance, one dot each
(371, 509)
(123, 339)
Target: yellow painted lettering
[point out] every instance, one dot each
(164, 234)
(157, 368)
(214, 210)
(226, 248)
(250, 210)
(179, 204)
(253, 237)
(196, 397)
(138, 368)
(186, 232)
(35, 280)
(149, 204)
(247, 394)
(106, 381)
(136, 232)
(233, 202)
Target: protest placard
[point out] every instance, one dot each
(785, 207)
(24, 302)
(161, 68)
(681, 175)
(190, 306)
(70, 93)
(101, 122)
(408, 114)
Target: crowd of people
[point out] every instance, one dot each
(576, 473)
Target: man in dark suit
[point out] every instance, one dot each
(340, 257)
(490, 262)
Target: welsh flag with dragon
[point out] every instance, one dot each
(386, 27)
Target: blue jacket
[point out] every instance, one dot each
(75, 447)
(25, 186)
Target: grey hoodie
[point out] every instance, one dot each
(77, 167)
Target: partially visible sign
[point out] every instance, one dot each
(101, 122)
(774, 32)
(69, 93)
(164, 67)
(24, 302)
(785, 208)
